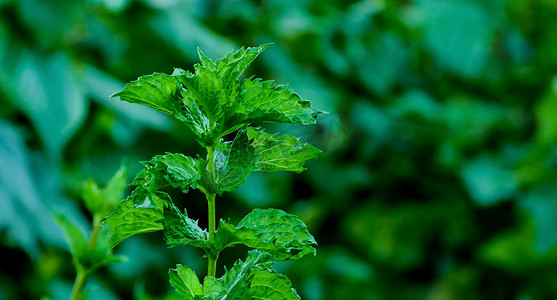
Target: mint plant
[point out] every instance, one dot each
(91, 251)
(214, 101)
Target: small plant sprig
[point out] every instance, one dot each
(213, 102)
(91, 251)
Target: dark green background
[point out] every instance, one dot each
(438, 178)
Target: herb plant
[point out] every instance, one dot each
(91, 251)
(214, 101)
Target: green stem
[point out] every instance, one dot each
(212, 264)
(79, 283)
(95, 233)
(83, 273)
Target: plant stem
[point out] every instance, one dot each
(78, 285)
(212, 264)
(83, 273)
(95, 233)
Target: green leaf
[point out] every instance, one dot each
(280, 153)
(47, 89)
(205, 89)
(180, 230)
(156, 91)
(234, 284)
(114, 189)
(213, 288)
(100, 253)
(209, 93)
(175, 170)
(263, 101)
(186, 283)
(272, 231)
(92, 196)
(267, 284)
(213, 101)
(234, 162)
(252, 279)
(103, 200)
(90, 257)
(234, 64)
(141, 212)
(192, 115)
(74, 236)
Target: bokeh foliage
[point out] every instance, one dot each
(438, 179)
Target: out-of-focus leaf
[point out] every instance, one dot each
(24, 213)
(103, 200)
(513, 250)
(272, 231)
(115, 187)
(50, 95)
(49, 23)
(487, 181)
(74, 235)
(100, 253)
(458, 31)
(84, 254)
(545, 116)
(139, 213)
(280, 153)
(400, 233)
(92, 196)
(541, 205)
(180, 230)
(186, 283)
(379, 65)
(112, 5)
(179, 29)
(234, 162)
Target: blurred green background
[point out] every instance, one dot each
(438, 178)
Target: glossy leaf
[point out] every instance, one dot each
(234, 64)
(252, 279)
(212, 100)
(180, 230)
(141, 212)
(280, 152)
(273, 231)
(235, 284)
(205, 89)
(175, 170)
(186, 283)
(234, 162)
(155, 91)
(268, 284)
(263, 101)
(191, 114)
